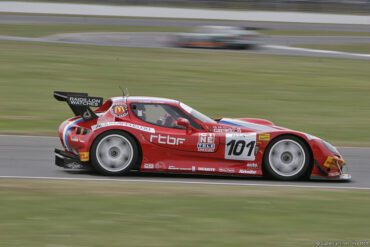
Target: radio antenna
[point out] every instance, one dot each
(123, 92)
(127, 93)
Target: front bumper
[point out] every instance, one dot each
(68, 160)
(344, 174)
(342, 170)
(338, 172)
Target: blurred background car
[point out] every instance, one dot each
(223, 37)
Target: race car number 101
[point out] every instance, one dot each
(240, 146)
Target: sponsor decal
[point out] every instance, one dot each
(240, 146)
(193, 168)
(119, 110)
(243, 171)
(74, 166)
(264, 137)
(219, 129)
(85, 101)
(88, 115)
(123, 124)
(166, 139)
(74, 139)
(174, 168)
(334, 174)
(148, 166)
(206, 142)
(84, 156)
(206, 169)
(160, 165)
(329, 162)
(226, 170)
(252, 165)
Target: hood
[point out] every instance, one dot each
(251, 124)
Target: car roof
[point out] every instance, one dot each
(157, 100)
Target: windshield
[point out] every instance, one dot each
(196, 114)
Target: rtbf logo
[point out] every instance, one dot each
(166, 139)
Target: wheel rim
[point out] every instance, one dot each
(114, 153)
(287, 158)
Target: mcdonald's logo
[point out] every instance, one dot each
(119, 110)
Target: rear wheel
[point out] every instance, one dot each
(287, 158)
(114, 153)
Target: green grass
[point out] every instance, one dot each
(39, 30)
(312, 33)
(322, 96)
(61, 213)
(357, 48)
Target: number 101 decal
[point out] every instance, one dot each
(240, 146)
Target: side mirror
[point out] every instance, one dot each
(185, 123)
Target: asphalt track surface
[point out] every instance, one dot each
(170, 12)
(277, 45)
(89, 20)
(33, 157)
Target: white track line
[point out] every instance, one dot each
(29, 136)
(184, 182)
(353, 147)
(289, 48)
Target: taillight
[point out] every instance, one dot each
(81, 131)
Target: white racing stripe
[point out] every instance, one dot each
(289, 48)
(186, 182)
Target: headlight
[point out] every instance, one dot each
(331, 148)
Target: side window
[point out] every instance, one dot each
(161, 115)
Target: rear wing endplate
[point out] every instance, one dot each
(80, 103)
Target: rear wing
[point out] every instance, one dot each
(80, 103)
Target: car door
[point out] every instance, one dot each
(163, 117)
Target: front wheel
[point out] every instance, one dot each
(287, 158)
(114, 153)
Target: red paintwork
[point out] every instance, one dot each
(185, 158)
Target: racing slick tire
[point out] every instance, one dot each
(114, 153)
(287, 158)
(238, 47)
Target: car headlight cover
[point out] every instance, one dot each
(331, 148)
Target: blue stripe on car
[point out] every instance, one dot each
(68, 128)
(240, 123)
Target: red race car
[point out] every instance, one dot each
(150, 134)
